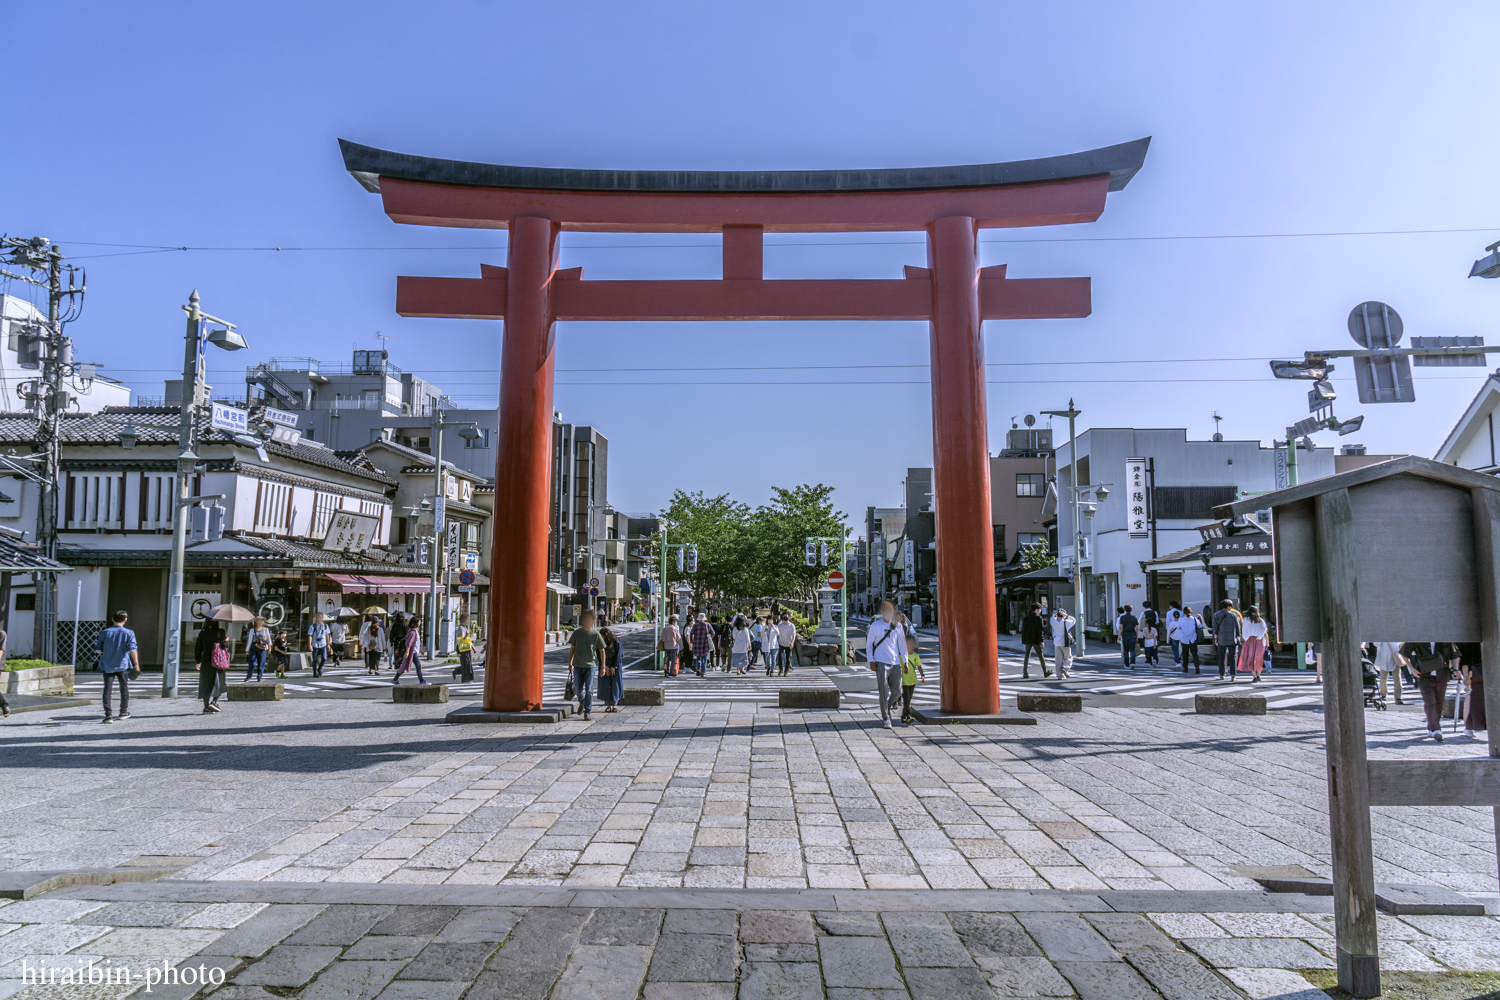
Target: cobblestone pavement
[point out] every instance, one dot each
(272, 811)
(440, 943)
(707, 794)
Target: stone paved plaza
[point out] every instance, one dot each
(358, 849)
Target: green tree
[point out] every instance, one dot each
(781, 529)
(1037, 557)
(718, 526)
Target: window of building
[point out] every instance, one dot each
(25, 602)
(1031, 484)
(1024, 539)
(324, 504)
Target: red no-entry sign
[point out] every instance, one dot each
(836, 580)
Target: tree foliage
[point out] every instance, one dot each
(746, 553)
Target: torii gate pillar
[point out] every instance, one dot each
(961, 473)
(518, 555)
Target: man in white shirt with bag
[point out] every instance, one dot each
(885, 648)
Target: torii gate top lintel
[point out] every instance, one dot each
(1052, 190)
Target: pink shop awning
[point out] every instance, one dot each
(352, 584)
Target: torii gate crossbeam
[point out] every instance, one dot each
(955, 295)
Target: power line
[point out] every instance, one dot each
(146, 248)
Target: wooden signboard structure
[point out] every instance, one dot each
(1402, 551)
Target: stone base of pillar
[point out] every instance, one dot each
(477, 713)
(936, 716)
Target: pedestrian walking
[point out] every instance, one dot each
(4, 705)
(338, 633)
(670, 642)
(317, 642)
(1471, 673)
(1188, 627)
(703, 641)
(1254, 649)
(281, 652)
(723, 636)
(1062, 642)
(1227, 628)
(1388, 664)
(1033, 634)
(1433, 663)
(1150, 637)
(464, 644)
(911, 673)
(257, 648)
(885, 648)
(212, 654)
(118, 662)
(1173, 626)
(397, 638)
(739, 645)
(786, 641)
(611, 680)
(1149, 617)
(372, 642)
(757, 634)
(1125, 627)
(410, 652)
(585, 652)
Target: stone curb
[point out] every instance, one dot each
(25, 885)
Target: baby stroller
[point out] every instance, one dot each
(1371, 683)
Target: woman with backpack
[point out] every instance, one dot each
(611, 683)
(465, 646)
(212, 654)
(410, 653)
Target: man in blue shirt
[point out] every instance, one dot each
(117, 656)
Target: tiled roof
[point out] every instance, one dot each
(314, 556)
(18, 557)
(157, 425)
(420, 459)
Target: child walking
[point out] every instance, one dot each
(911, 671)
(1149, 637)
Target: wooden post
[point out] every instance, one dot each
(1344, 725)
(1487, 563)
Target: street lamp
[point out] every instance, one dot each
(194, 365)
(1487, 267)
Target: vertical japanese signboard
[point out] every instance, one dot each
(1136, 511)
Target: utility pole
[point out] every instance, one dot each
(194, 370)
(1076, 563)
(47, 349)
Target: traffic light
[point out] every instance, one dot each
(823, 552)
(679, 560)
(692, 560)
(812, 553)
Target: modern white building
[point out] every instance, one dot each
(1183, 481)
(90, 395)
(1471, 443)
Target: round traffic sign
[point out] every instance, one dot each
(593, 591)
(594, 582)
(836, 580)
(466, 577)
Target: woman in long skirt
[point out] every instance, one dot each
(739, 645)
(1253, 644)
(611, 684)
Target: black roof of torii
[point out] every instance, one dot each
(368, 164)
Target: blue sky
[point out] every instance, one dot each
(214, 125)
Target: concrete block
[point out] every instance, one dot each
(644, 696)
(1425, 900)
(256, 692)
(1049, 701)
(1229, 703)
(56, 679)
(808, 697)
(422, 694)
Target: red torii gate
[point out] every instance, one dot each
(949, 204)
